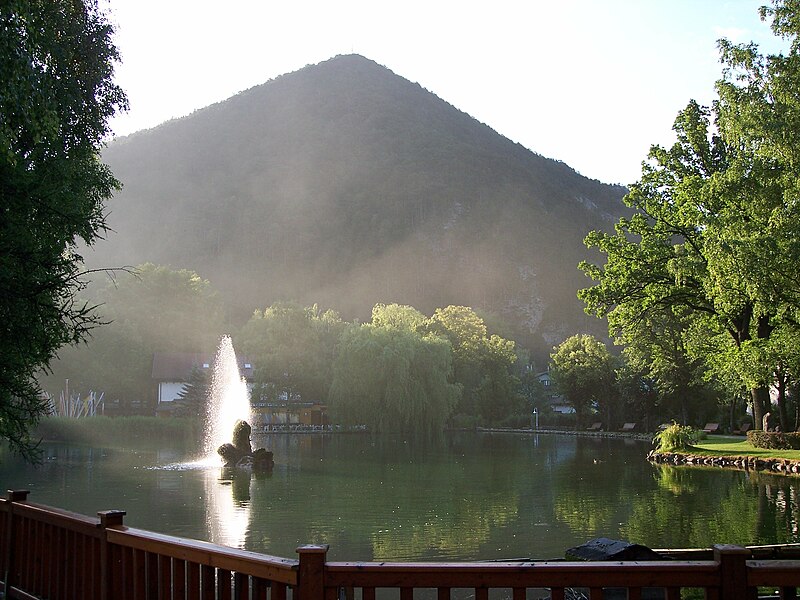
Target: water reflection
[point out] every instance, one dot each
(228, 506)
(469, 497)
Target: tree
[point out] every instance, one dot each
(583, 371)
(716, 229)
(482, 364)
(152, 309)
(193, 397)
(293, 350)
(56, 97)
(391, 377)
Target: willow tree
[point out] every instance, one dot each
(56, 97)
(391, 377)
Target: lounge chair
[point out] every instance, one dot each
(711, 428)
(595, 427)
(628, 427)
(743, 429)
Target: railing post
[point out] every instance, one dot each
(108, 518)
(8, 569)
(733, 572)
(311, 572)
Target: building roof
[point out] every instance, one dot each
(177, 366)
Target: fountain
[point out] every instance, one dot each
(227, 415)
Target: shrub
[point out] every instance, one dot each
(676, 437)
(774, 440)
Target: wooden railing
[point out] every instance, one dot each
(54, 554)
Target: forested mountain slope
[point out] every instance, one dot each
(346, 185)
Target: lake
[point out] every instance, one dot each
(471, 496)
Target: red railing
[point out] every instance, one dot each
(54, 554)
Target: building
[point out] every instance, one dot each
(171, 371)
(558, 403)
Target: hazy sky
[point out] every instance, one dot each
(592, 83)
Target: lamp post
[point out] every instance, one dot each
(535, 419)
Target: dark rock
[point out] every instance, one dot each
(608, 549)
(262, 459)
(230, 454)
(240, 453)
(241, 437)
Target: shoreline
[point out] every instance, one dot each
(777, 466)
(643, 437)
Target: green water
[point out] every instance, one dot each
(470, 497)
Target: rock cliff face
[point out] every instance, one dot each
(346, 185)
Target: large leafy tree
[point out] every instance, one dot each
(483, 364)
(582, 369)
(293, 350)
(715, 232)
(56, 97)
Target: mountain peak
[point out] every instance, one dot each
(345, 184)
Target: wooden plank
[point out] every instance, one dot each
(241, 585)
(278, 591)
(230, 559)
(193, 581)
(208, 585)
(538, 575)
(178, 579)
(151, 567)
(164, 577)
(223, 584)
(260, 588)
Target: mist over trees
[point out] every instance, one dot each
(152, 309)
(394, 373)
(345, 185)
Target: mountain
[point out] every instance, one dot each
(346, 185)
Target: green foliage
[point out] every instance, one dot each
(293, 350)
(151, 309)
(774, 440)
(56, 96)
(193, 397)
(676, 437)
(582, 369)
(715, 227)
(482, 364)
(393, 378)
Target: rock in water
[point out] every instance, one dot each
(240, 453)
(241, 437)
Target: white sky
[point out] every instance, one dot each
(592, 83)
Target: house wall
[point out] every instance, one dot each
(169, 390)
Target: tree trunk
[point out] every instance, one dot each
(760, 399)
(782, 413)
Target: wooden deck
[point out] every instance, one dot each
(54, 554)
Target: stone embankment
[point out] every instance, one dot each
(748, 463)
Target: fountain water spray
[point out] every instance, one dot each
(228, 401)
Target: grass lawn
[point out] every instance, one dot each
(723, 445)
